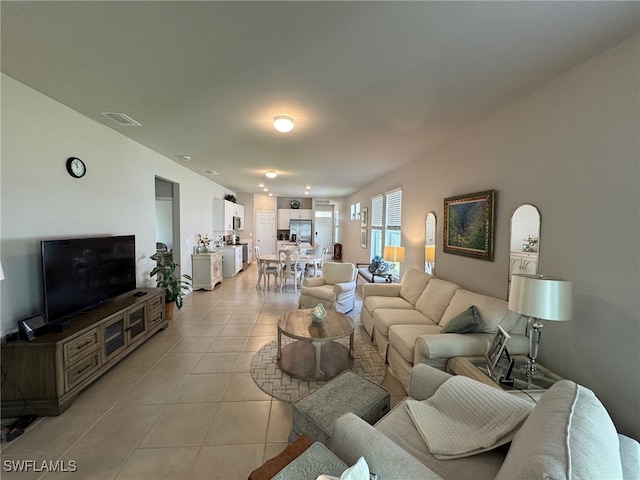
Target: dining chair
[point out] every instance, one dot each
(290, 267)
(266, 269)
(320, 265)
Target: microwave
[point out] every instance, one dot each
(237, 223)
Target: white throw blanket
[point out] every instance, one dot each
(465, 417)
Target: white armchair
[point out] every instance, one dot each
(335, 289)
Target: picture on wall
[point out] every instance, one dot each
(363, 237)
(364, 217)
(469, 224)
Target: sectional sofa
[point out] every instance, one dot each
(406, 322)
(568, 434)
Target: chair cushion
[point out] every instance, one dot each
(324, 292)
(413, 284)
(338, 272)
(492, 310)
(568, 435)
(435, 298)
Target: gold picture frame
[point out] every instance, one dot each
(469, 224)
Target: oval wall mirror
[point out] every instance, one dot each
(524, 253)
(430, 244)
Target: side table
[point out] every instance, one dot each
(524, 384)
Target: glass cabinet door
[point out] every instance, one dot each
(114, 336)
(136, 326)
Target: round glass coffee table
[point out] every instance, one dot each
(315, 355)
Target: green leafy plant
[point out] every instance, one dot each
(230, 198)
(175, 288)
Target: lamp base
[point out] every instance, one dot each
(534, 341)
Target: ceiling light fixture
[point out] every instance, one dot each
(265, 189)
(271, 174)
(282, 123)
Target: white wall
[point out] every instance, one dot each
(572, 149)
(116, 196)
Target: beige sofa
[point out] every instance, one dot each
(568, 435)
(405, 321)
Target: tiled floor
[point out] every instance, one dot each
(182, 406)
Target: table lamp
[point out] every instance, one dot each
(540, 298)
(393, 254)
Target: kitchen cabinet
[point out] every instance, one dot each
(223, 213)
(286, 214)
(207, 270)
(231, 260)
(283, 219)
(301, 214)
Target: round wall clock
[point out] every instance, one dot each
(295, 204)
(76, 167)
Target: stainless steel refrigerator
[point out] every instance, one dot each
(302, 229)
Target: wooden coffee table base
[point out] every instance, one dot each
(298, 360)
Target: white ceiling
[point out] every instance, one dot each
(371, 85)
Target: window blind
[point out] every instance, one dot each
(394, 210)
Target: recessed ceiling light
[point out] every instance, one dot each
(265, 189)
(307, 192)
(308, 187)
(186, 158)
(271, 174)
(261, 184)
(271, 194)
(282, 123)
(211, 172)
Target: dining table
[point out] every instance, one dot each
(274, 259)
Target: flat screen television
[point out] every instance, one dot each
(80, 273)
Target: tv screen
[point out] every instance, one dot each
(79, 274)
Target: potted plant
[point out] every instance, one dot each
(175, 288)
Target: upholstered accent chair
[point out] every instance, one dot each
(335, 289)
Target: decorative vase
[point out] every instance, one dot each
(198, 248)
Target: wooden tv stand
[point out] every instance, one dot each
(43, 377)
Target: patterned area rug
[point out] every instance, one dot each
(367, 363)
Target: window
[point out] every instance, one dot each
(393, 221)
(376, 225)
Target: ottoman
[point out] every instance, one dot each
(315, 414)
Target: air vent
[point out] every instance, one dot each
(211, 172)
(121, 119)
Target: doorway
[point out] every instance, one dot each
(324, 226)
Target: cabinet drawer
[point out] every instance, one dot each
(155, 316)
(79, 347)
(155, 302)
(81, 369)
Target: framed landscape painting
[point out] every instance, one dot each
(469, 224)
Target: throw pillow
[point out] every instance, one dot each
(468, 321)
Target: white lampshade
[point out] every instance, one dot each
(282, 123)
(394, 254)
(546, 298)
(1, 273)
